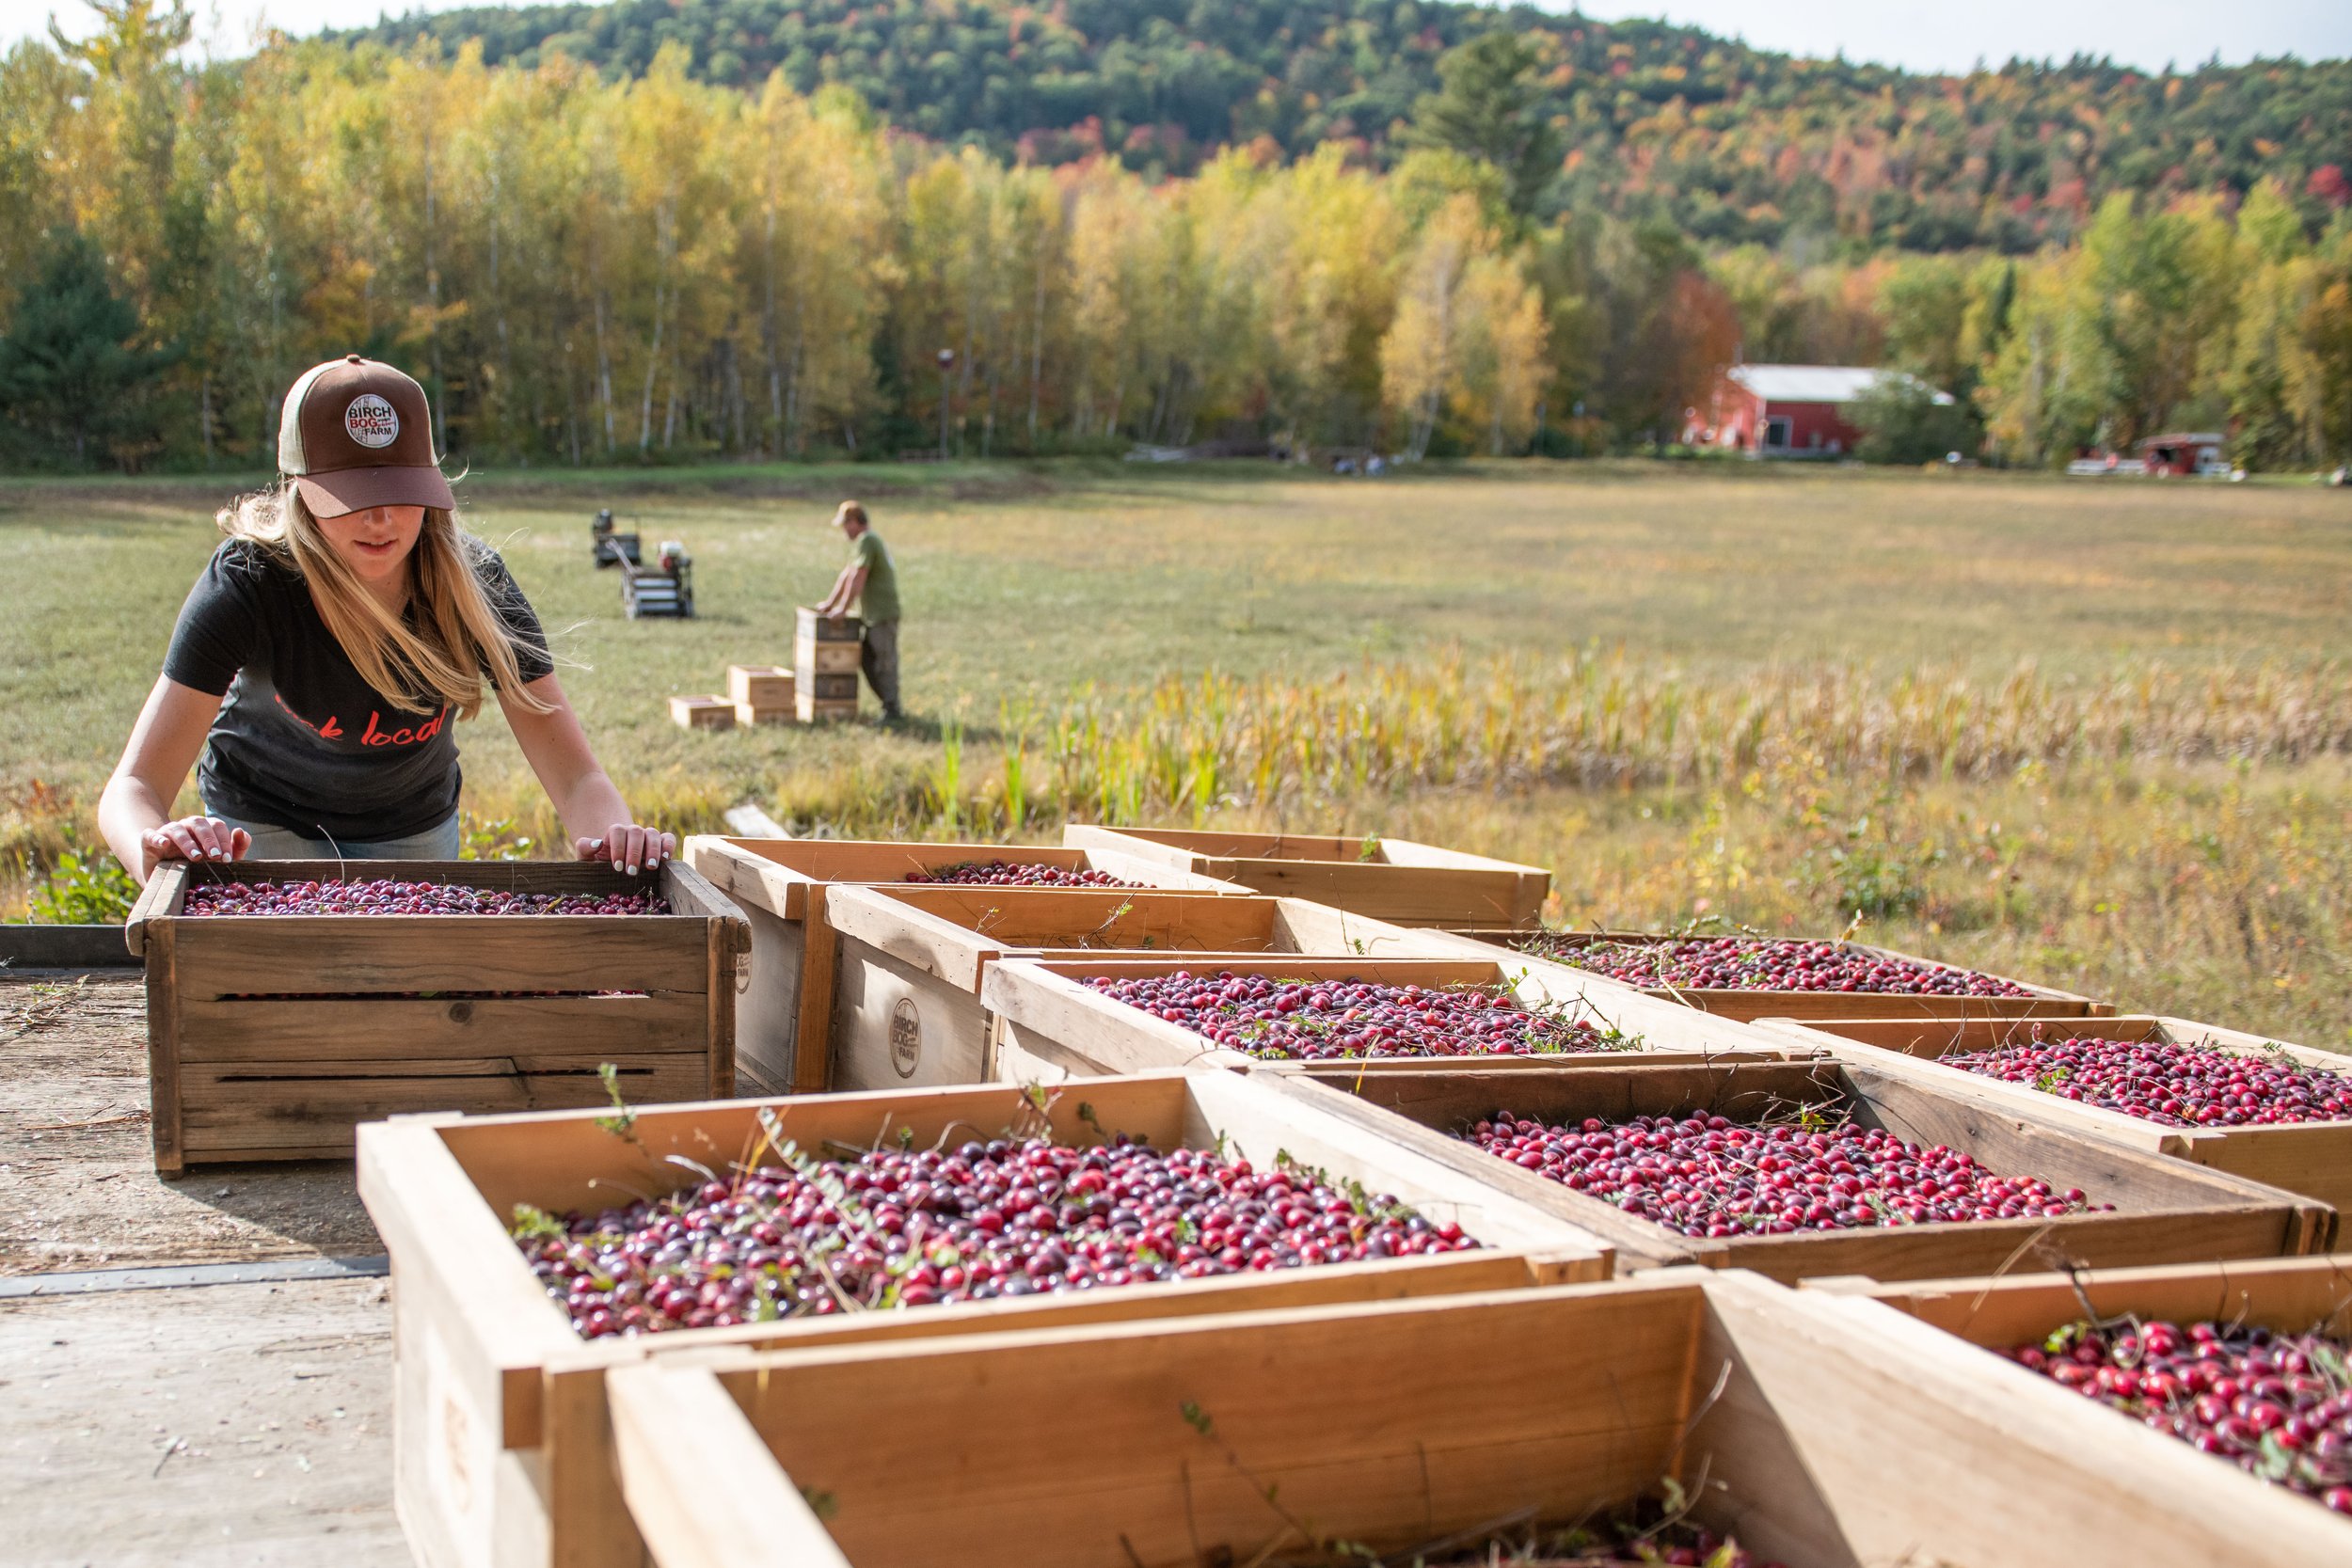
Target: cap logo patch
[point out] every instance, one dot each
(370, 421)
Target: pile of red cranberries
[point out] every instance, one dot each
(2280, 1404)
(1712, 1177)
(1765, 963)
(1018, 874)
(1315, 1021)
(383, 896)
(2180, 1085)
(898, 1227)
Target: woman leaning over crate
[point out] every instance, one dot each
(320, 659)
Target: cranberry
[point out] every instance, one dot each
(1018, 874)
(897, 1227)
(1764, 964)
(1714, 1177)
(2179, 1085)
(385, 896)
(1279, 1020)
(2259, 1406)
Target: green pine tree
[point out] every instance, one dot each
(1492, 108)
(70, 374)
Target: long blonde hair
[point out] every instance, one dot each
(420, 669)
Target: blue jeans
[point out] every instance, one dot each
(283, 844)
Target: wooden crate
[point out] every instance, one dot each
(1046, 1024)
(270, 1037)
(702, 713)
(1388, 878)
(1747, 1005)
(2312, 1158)
(907, 1005)
(501, 1453)
(765, 687)
(752, 718)
(786, 1002)
(1819, 1441)
(825, 658)
(2165, 1211)
(2287, 1296)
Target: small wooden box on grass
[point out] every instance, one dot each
(2043, 1002)
(787, 990)
(1046, 1024)
(1967, 1323)
(503, 1448)
(270, 1037)
(1412, 1432)
(2312, 1158)
(826, 651)
(762, 694)
(702, 713)
(907, 1001)
(2165, 1211)
(1388, 878)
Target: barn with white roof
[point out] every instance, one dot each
(1786, 410)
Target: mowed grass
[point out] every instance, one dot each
(1118, 576)
(1524, 659)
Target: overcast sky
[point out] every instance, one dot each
(1940, 36)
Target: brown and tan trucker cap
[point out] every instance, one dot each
(356, 433)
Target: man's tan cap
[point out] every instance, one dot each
(356, 433)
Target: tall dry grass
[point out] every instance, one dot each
(2170, 840)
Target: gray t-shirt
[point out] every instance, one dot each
(302, 742)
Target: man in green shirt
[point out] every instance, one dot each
(870, 583)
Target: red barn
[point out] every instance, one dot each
(2184, 452)
(1784, 410)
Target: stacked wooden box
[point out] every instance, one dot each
(826, 651)
(762, 694)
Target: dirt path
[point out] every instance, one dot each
(243, 1425)
(78, 1188)
(246, 1425)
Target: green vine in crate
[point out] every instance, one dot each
(622, 1123)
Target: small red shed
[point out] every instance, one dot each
(1786, 410)
(2182, 454)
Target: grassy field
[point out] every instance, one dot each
(2095, 733)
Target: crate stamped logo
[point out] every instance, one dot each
(906, 1038)
(371, 422)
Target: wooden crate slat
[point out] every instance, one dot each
(413, 953)
(326, 1031)
(226, 1110)
(1552, 1440)
(1393, 879)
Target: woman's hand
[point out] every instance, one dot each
(628, 846)
(195, 838)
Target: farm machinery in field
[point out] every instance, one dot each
(663, 587)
